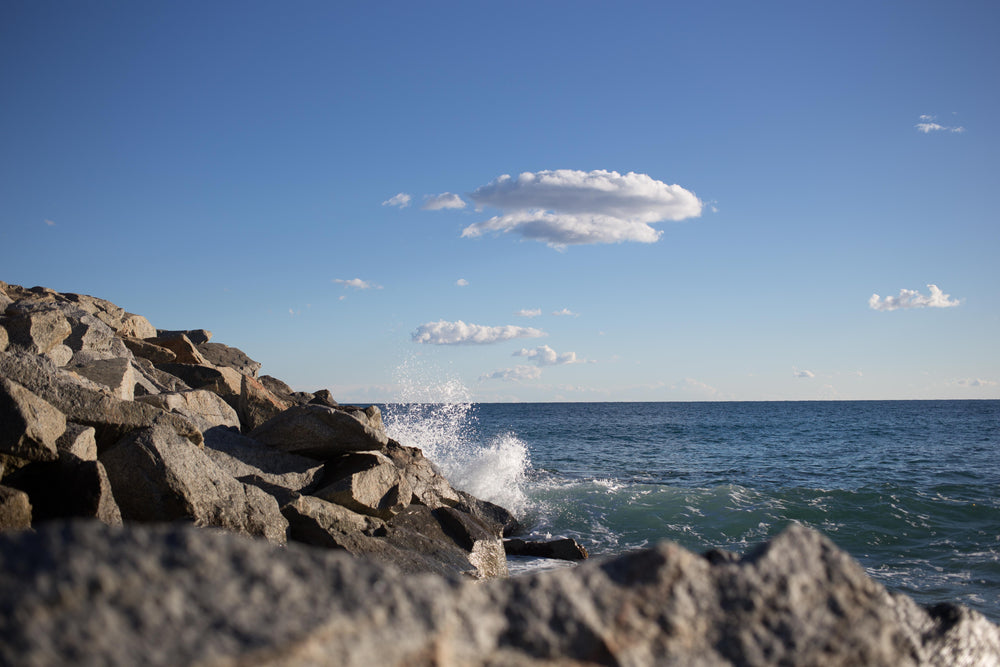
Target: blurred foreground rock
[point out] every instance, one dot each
(87, 593)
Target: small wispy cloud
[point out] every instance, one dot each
(533, 312)
(49, 223)
(399, 200)
(543, 355)
(462, 282)
(975, 382)
(803, 373)
(928, 123)
(516, 374)
(913, 299)
(445, 200)
(565, 312)
(568, 207)
(356, 283)
(459, 333)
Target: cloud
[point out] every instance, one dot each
(544, 355)
(460, 333)
(401, 200)
(569, 207)
(913, 299)
(441, 201)
(565, 312)
(462, 282)
(535, 312)
(516, 374)
(927, 125)
(803, 374)
(49, 223)
(975, 382)
(356, 283)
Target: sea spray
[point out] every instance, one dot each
(438, 417)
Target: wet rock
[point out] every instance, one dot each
(503, 521)
(158, 475)
(321, 432)
(368, 483)
(429, 486)
(563, 549)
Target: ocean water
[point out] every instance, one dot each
(908, 488)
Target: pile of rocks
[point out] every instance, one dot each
(161, 504)
(103, 416)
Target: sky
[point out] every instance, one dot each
(526, 201)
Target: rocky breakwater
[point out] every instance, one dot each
(103, 416)
(161, 504)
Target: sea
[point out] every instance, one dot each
(911, 489)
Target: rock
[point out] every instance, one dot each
(207, 597)
(154, 353)
(218, 354)
(202, 408)
(321, 432)
(69, 487)
(324, 397)
(79, 441)
(196, 336)
(276, 387)
(181, 346)
(253, 463)
(92, 339)
(38, 329)
(257, 404)
(320, 523)
(15, 508)
(428, 484)
(4, 338)
(563, 549)
(86, 402)
(368, 483)
(486, 551)
(29, 425)
(157, 475)
(123, 322)
(118, 375)
(505, 523)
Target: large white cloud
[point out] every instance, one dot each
(567, 207)
(543, 355)
(909, 298)
(460, 333)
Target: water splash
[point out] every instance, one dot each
(438, 417)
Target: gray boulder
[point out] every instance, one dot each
(322, 432)
(428, 484)
(209, 597)
(204, 409)
(29, 425)
(196, 336)
(257, 404)
(86, 402)
(368, 483)
(38, 328)
(119, 375)
(66, 488)
(253, 463)
(157, 354)
(79, 441)
(183, 348)
(218, 354)
(15, 509)
(157, 475)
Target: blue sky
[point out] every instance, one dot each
(603, 201)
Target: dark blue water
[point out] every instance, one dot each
(909, 488)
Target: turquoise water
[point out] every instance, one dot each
(909, 488)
